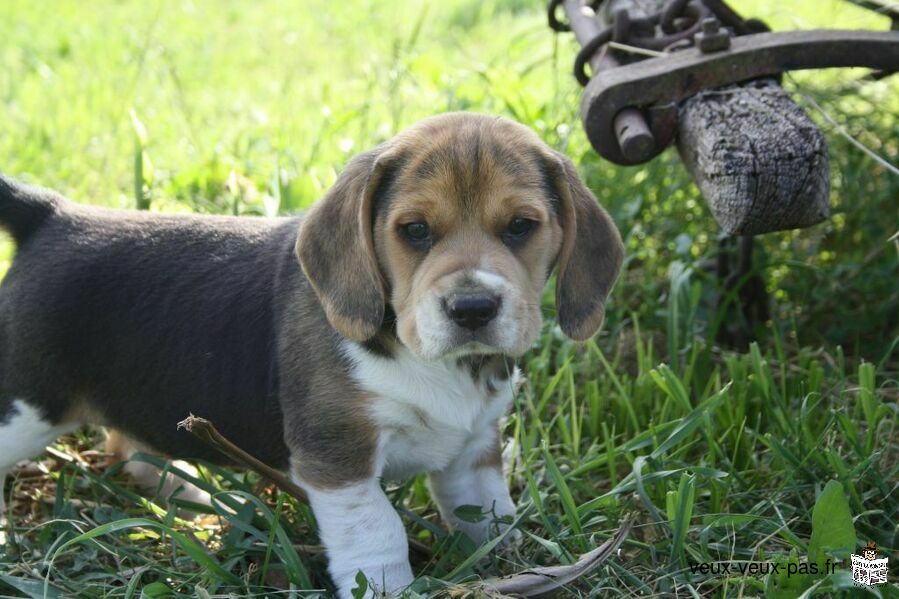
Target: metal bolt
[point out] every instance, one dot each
(712, 38)
(635, 138)
(710, 25)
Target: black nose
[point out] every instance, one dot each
(472, 311)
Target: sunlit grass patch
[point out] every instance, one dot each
(717, 455)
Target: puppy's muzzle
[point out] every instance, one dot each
(471, 311)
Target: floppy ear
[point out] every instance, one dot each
(591, 254)
(336, 249)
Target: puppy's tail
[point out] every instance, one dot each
(24, 208)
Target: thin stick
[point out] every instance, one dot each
(206, 432)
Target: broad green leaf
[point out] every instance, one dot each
(361, 589)
(469, 513)
(156, 590)
(832, 528)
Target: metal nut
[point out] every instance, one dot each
(710, 25)
(712, 38)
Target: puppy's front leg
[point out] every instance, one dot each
(475, 478)
(361, 531)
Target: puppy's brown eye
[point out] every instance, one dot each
(418, 233)
(518, 229)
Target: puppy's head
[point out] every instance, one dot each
(456, 224)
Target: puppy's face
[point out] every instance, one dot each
(456, 225)
(466, 233)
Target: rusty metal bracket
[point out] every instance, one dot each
(655, 86)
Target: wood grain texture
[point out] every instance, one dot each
(758, 159)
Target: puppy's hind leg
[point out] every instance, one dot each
(149, 477)
(24, 433)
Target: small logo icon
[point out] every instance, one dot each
(867, 569)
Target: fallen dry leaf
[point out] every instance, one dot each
(535, 582)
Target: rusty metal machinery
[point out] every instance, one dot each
(696, 73)
(630, 114)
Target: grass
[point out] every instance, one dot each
(719, 455)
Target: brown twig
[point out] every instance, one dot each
(205, 431)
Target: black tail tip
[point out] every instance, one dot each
(24, 208)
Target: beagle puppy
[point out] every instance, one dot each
(372, 338)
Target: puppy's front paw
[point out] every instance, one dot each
(361, 533)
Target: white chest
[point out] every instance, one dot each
(429, 413)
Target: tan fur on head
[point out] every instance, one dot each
(467, 177)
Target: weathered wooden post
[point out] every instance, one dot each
(758, 159)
